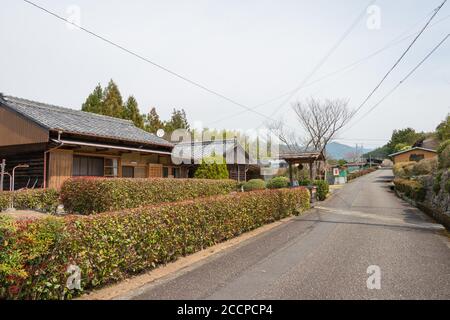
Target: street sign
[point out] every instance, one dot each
(336, 172)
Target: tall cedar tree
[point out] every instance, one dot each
(131, 112)
(112, 101)
(178, 120)
(153, 122)
(94, 102)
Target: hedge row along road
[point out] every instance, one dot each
(327, 254)
(37, 258)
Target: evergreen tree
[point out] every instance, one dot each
(178, 120)
(153, 122)
(211, 169)
(131, 112)
(94, 102)
(112, 101)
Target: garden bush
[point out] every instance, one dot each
(111, 246)
(360, 173)
(278, 183)
(212, 168)
(444, 154)
(305, 182)
(32, 199)
(411, 188)
(94, 195)
(425, 166)
(322, 189)
(404, 169)
(437, 183)
(254, 184)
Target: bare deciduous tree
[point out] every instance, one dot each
(322, 120)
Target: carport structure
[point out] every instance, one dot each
(301, 157)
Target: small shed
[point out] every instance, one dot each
(413, 154)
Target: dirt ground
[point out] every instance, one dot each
(25, 214)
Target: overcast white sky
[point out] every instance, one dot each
(250, 51)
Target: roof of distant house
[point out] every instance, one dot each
(411, 149)
(197, 150)
(72, 121)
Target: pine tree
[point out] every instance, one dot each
(112, 101)
(131, 112)
(178, 120)
(153, 122)
(94, 102)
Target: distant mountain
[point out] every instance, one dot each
(336, 150)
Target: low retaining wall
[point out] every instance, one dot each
(437, 202)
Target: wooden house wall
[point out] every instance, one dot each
(405, 157)
(60, 164)
(17, 130)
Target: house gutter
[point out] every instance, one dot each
(60, 144)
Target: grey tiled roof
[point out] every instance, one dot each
(79, 122)
(196, 151)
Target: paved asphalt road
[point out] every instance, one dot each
(325, 254)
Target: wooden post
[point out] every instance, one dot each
(290, 175)
(311, 170)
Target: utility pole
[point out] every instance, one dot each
(2, 173)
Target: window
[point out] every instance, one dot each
(416, 157)
(171, 172)
(111, 165)
(87, 166)
(127, 172)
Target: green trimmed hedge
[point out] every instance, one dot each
(411, 188)
(254, 184)
(111, 246)
(33, 199)
(278, 183)
(360, 173)
(95, 195)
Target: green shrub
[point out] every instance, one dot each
(305, 182)
(444, 154)
(111, 246)
(32, 199)
(425, 166)
(437, 183)
(411, 188)
(254, 184)
(94, 195)
(212, 169)
(278, 183)
(404, 169)
(5, 198)
(322, 189)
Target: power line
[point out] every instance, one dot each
(184, 78)
(402, 81)
(400, 59)
(397, 40)
(323, 60)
